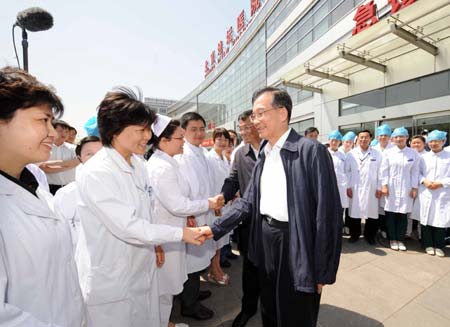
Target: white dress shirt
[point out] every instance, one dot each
(273, 182)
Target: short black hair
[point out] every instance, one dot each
(365, 131)
(191, 116)
(245, 115)
(280, 98)
(21, 90)
(311, 130)
(62, 123)
(119, 109)
(420, 137)
(218, 132)
(71, 128)
(85, 140)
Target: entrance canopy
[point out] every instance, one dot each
(423, 24)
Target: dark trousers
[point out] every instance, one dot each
(396, 225)
(281, 304)
(250, 275)
(382, 223)
(370, 228)
(53, 188)
(189, 297)
(346, 218)
(433, 237)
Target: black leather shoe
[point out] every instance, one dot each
(203, 313)
(203, 295)
(232, 256)
(241, 319)
(370, 240)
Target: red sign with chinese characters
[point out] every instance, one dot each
(241, 26)
(399, 4)
(366, 14)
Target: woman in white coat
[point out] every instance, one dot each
(65, 199)
(362, 167)
(38, 278)
(399, 180)
(115, 251)
(171, 206)
(434, 194)
(220, 169)
(338, 157)
(418, 143)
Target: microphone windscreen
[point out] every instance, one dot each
(35, 19)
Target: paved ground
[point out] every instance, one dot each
(375, 287)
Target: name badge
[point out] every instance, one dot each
(410, 160)
(149, 190)
(373, 159)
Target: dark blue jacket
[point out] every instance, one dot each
(314, 209)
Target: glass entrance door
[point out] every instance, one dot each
(441, 123)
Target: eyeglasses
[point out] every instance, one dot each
(260, 114)
(245, 128)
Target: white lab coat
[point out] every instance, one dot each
(339, 168)
(415, 214)
(38, 277)
(194, 167)
(435, 204)
(363, 178)
(171, 206)
(65, 202)
(400, 172)
(220, 169)
(115, 251)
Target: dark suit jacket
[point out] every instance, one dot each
(314, 209)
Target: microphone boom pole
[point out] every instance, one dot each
(25, 49)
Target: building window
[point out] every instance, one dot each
(302, 125)
(316, 22)
(427, 87)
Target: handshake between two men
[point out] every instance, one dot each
(197, 235)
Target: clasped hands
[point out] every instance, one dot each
(217, 202)
(197, 235)
(432, 185)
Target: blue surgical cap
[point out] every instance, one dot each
(349, 136)
(374, 142)
(335, 135)
(437, 136)
(400, 131)
(91, 127)
(384, 129)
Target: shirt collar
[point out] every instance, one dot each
(26, 180)
(279, 144)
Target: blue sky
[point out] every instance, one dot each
(160, 46)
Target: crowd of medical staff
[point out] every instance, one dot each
(107, 231)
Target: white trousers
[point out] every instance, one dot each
(165, 308)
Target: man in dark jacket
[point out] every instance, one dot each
(293, 207)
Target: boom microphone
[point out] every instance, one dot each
(34, 19)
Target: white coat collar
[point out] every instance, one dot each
(164, 156)
(198, 151)
(119, 160)
(31, 205)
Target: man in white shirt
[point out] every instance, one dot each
(294, 210)
(194, 166)
(60, 168)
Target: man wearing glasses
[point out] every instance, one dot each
(241, 172)
(292, 205)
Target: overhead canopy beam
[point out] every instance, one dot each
(413, 39)
(330, 77)
(303, 87)
(362, 61)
